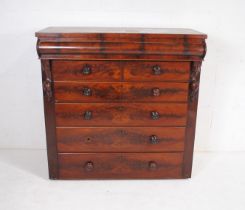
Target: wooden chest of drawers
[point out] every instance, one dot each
(120, 103)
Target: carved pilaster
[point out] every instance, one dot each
(47, 80)
(50, 123)
(194, 80)
(191, 118)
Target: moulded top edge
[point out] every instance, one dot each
(76, 32)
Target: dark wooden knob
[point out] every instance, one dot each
(88, 115)
(153, 139)
(89, 166)
(123, 132)
(87, 92)
(156, 70)
(156, 92)
(86, 70)
(152, 165)
(155, 115)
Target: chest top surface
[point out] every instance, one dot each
(76, 31)
(121, 43)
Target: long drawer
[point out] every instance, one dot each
(120, 114)
(125, 91)
(123, 139)
(120, 165)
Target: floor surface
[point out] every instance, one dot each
(217, 183)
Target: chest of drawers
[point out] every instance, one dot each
(120, 103)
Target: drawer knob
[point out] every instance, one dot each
(87, 92)
(156, 70)
(156, 92)
(88, 115)
(153, 139)
(86, 70)
(123, 132)
(155, 115)
(89, 166)
(152, 165)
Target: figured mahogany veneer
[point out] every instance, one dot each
(120, 103)
(118, 70)
(114, 114)
(120, 165)
(120, 139)
(86, 70)
(118, 92)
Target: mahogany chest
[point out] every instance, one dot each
(120, 103)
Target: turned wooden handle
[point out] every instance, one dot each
(86, 70)
(155, 115)
(88, 115)
(156, 70)
(87, 92)
(89, 166)
(152, 165)
(156, 92)
(153, 139)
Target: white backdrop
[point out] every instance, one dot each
(221, 115)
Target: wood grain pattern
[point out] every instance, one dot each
(73, 71)
(155, 92)
(125, 57)
(172, 48)
(131, 92)
(123, 139)
(120, 114)
(49, 106)
(120, 165)
(169, 71)
(116, 70)
(191, 119)
(99, 92)
(124, 45)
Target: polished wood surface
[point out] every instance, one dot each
(121, 71)
(120, 165)
(74, 70)
(168, 71)
(123, 47)
(120, 114)
(87, 92)
(120, 103)
(95, 44)
(191, 119)
(113, 92)
(123, 139)
(155, 92)
(50, 124)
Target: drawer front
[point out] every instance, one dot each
(121, 114)
(87, 92)
(120, 70)
(155, 92)
(86, 70)
(120, 165)
(157, 71)
(101, 92)
(124, 139)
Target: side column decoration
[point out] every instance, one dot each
(47, 80)
(191, 117)
(50, 123)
